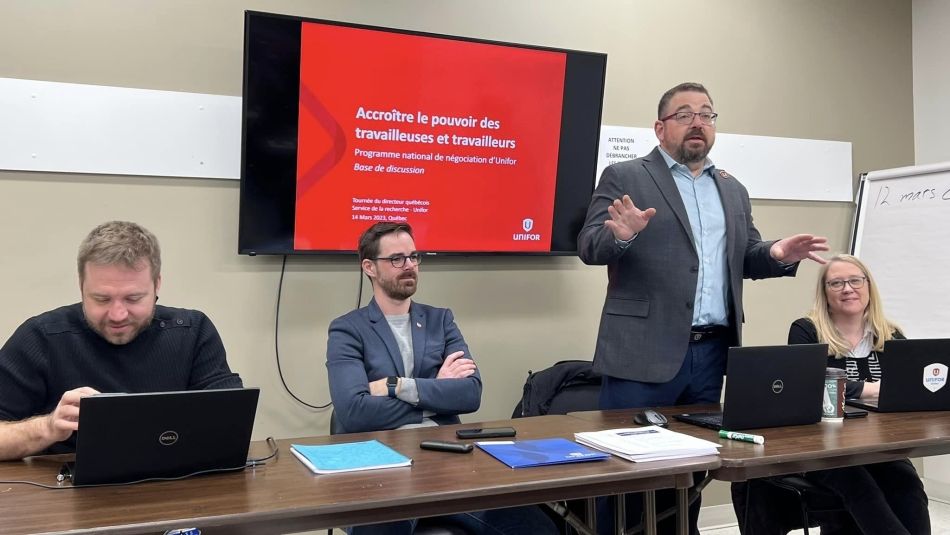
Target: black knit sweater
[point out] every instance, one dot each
(58, 351)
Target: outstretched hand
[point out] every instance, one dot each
(626, 219)
(799, 247)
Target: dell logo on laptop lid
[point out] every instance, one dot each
(168, 438)
(778, 386)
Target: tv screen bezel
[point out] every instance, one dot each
(273, 206)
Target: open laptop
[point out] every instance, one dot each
(769, 386)
(916, 373)
(131, 437)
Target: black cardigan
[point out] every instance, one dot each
(803, 331)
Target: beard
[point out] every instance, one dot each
(687, 155)
(136, 327)
(401, 287)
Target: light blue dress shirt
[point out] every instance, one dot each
(708, 223)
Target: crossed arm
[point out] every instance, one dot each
(456, 366)
(357, 370)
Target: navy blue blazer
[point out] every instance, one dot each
(362, 348)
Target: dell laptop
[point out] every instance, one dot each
(769, 386)
(916, 377)
(133, 437)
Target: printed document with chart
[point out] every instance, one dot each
(649, 443)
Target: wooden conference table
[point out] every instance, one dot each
(876, 438)
(284, 496)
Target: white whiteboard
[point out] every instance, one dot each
(769, 167)
(79, 128)
(902, 232)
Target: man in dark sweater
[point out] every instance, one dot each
(116, 340)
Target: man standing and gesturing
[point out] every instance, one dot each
(677, 237)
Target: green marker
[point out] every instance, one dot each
(732, 435)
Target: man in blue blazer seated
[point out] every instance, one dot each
(396, 364)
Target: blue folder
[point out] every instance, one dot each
(540, 452)
(349, 457)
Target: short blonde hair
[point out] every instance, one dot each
(882, 329)
(120, 242)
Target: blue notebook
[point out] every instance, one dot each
(540, 452)
(349, 457)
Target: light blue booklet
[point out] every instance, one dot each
(540, 452)
(349, 457)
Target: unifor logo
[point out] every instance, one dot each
(778, 386)
(168, 438)
(935, 376)
(527, 224)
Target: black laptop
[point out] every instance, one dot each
(132, 437)
(914, 374)
(769, 386)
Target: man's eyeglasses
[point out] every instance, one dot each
(854, 282)
(399, 260)
(686, 117)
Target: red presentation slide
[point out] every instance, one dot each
(459, 139)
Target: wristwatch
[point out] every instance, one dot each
(391, 383)
(623, 244)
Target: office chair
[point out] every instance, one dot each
(336, 428)
(572, 386)
(815, 501)
(780, 504)
(566, 386)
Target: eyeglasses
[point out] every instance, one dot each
(399, 260)
(686, 117)
(855, 283)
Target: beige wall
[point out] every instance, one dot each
(931, 131)
(931, 81)
(838, 70)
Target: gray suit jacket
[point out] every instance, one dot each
(644, 327)
(362, 348)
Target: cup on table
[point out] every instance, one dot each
(832, 406)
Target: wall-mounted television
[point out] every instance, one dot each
(482, 146)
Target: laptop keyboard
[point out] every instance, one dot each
(708, 418)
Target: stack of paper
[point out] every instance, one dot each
(650, 443)
(539, 452)
(349, 457)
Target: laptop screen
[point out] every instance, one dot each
(913, 376)
(771, 386)
(132, 437)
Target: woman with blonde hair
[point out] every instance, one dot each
(848, 316)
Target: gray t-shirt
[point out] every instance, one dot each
(402, 331)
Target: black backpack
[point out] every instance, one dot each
(567, 386)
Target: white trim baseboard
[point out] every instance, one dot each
(938, 491)
(717, 516)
